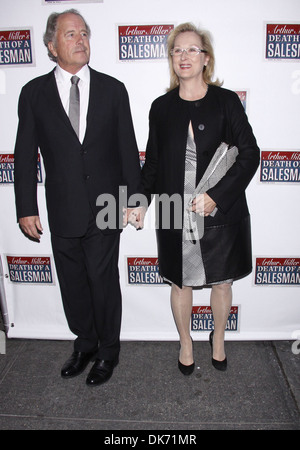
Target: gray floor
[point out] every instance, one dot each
(259, 391)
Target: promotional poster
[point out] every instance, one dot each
(129, 42)
(283, 41)
(143, 42)
(16, 47)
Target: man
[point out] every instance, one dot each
(83, 158)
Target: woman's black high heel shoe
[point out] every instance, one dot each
(219, 365)
(186, 370)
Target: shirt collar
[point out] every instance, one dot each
(64, 77)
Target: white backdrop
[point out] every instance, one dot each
(268, 306)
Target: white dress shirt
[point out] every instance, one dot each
(63, 81)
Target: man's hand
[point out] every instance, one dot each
(134, 216)
(31, 226)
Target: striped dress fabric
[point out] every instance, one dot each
(192, 268)
(193, 273)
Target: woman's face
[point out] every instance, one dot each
(189, 67)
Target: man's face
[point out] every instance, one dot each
(71, 46)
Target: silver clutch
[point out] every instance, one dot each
(221, 162)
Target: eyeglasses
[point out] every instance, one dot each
(191, 51)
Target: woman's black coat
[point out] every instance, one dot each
(218, 117)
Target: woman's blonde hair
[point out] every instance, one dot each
(208, 70)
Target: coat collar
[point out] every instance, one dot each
(53, 98)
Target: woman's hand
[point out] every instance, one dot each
(203, 205)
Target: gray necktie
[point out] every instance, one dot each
(74, 104)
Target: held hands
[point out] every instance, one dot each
(31, 226)
(134, 216)
(203, 205)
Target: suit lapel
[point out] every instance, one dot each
(54, 101)
(95, 86)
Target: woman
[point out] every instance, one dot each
(187, 125)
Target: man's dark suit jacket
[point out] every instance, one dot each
(76, 174)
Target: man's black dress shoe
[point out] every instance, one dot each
(76, 364)
(101, 372)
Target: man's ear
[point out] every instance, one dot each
(51, 48)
